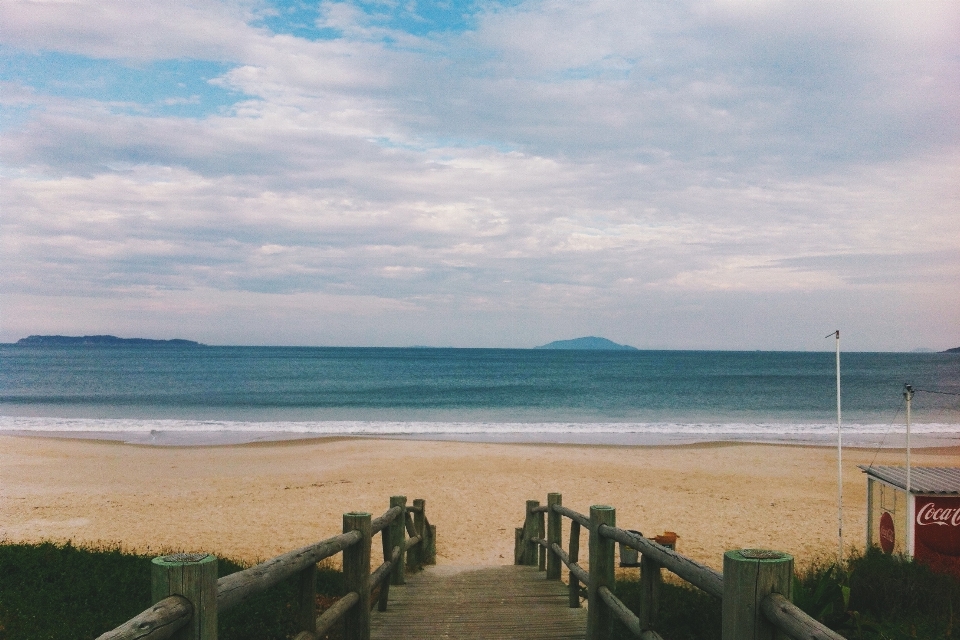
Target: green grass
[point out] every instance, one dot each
(50, 591)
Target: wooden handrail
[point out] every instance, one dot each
(160, 621)
(166, 617)
(237, 587)
(776, 609)
(629, 619)
(329, 617)
(788, 617)
(578, 572)
(698, 575)
(379, 524)
(573, 515)
(383, 571)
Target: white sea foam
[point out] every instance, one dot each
(169, 431)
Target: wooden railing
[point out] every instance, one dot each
(754, 588)
(189, 596)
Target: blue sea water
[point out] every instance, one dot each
(172, 395)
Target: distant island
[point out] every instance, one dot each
(589, 343)
(954, 350)
(101, 341)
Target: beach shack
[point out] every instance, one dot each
(917, 516)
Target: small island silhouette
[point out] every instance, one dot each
(101, 341)
(589, 343)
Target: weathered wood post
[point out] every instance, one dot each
(542, 534)
(519, 547)
(574, 554)
(387, 546)
(430, 555)
(554, 535)
(412, 551)
(749, 576)
(193, 576)
(356, 577)
(397, 537)
(599, 616)
(420, 528)
(650, 579)
(307, 600)
(529, 533)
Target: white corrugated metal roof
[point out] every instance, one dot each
(945, 480)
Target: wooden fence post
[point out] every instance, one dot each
(529, 533)
(749, 576)
(397, 533)
(650, 580)
(307, 600)
(599, 616)
(542, 534)
(419, 519)
(193, 576)
(430, 557)
(574, 554)
(554, 535)
(356, 577)
(519, 547)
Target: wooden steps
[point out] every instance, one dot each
(479, 602)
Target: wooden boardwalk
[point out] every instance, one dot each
(479, 602)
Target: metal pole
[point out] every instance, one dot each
(908, 396)
(839, 454)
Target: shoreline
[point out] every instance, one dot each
(256, 500)
(184, 438)
(266, 439)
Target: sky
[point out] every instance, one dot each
(691, 174)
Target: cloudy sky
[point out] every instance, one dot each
(728, 174)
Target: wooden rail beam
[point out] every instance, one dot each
(236, 587)
(573, 515)
(159, 622)
(698, 575)
(788, 618)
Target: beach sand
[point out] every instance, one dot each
(252, 502)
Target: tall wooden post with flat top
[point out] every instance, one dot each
(599, 616)
(193, 576)
(554, 535)
(356, 577)
(749, 576)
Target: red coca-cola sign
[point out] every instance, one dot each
(888, 534)
(938, 523)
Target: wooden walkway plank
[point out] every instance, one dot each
(482, 603)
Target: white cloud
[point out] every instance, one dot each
(562, 158)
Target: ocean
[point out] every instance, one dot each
(210, 395)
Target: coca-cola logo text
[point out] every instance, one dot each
(888, 536)
(931, 513)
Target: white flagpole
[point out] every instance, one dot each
(839, 454)
(908, 396)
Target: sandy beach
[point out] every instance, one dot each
(254, 501)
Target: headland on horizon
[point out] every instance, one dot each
(102, 341)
